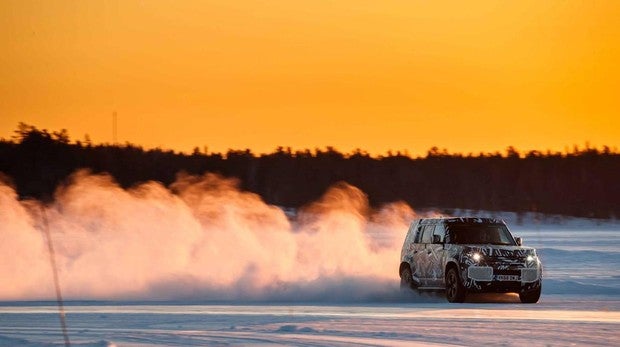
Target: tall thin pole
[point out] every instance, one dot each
(59, 301)
(114, 127)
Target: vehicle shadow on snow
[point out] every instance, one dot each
(493, 298)
(439, 296)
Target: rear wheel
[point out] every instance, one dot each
(406, 279)
(530, 297)
(455, 292)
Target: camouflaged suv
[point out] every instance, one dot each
(468, 255)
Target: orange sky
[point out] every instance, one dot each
(401, 75)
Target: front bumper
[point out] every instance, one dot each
(503, 287)
(490, 279)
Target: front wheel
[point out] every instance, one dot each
(455, 292)
(530, 297)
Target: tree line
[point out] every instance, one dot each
(582, 182)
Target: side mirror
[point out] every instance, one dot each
(519, 241)
(436, 239)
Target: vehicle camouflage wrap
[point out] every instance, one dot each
(482, 267)
(507, 263)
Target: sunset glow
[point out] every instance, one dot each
(469, 76)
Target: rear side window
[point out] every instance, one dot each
(427, 237)
(411, 233)
(418, 234)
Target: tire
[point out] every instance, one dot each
(530, 297)
(455, 292)
(406, 278)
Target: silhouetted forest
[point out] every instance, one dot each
(582, 182)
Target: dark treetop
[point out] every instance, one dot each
(584, 182)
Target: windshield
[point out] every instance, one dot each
(479, 234)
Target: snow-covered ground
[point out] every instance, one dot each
(580, 305)
(558, 320)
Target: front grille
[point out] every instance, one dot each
(505, 262)
(480, 273)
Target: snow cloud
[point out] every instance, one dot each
(201, 238)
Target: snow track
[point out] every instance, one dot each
(558, 320)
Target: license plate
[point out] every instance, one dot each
(508, 278)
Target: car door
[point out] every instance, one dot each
(423, 253)
(435, 254)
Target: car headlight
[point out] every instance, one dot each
(476, 256)
(530, 258)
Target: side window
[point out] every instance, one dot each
(418, 234)
(441, 231)
(427, 237)
(411, 233)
